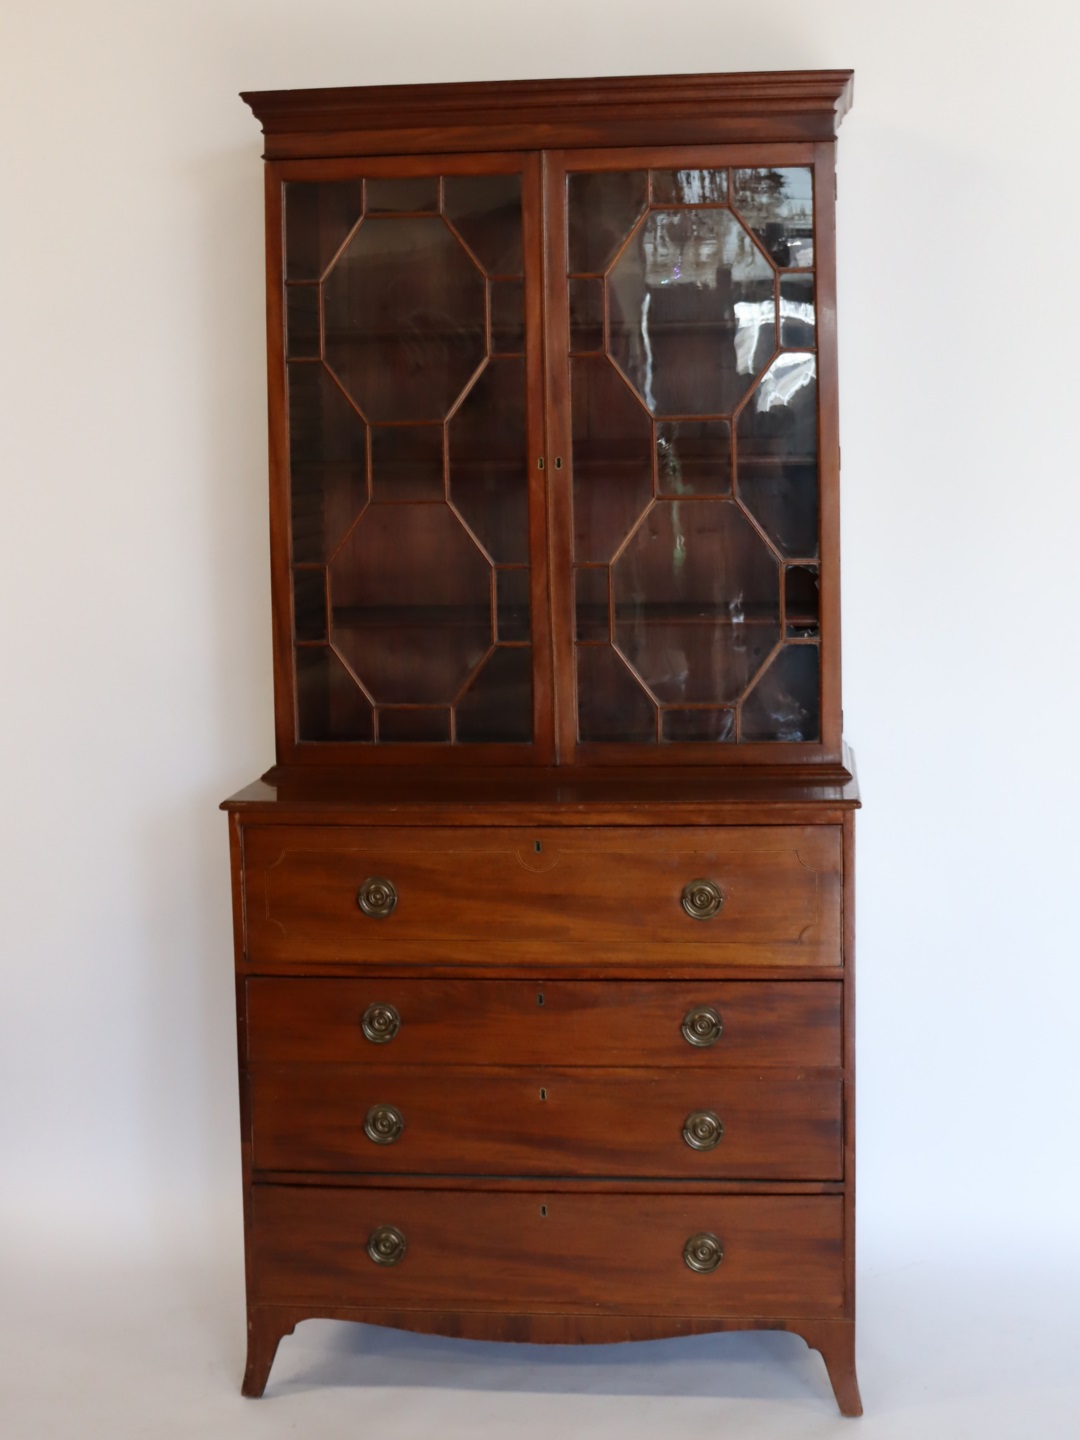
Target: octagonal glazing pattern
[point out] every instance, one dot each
(696, 602)
(408, 460)
(694, 480)
(405, 318)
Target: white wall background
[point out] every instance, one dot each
(134, 590)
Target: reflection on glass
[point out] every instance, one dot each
(691, 312)
(413, 725)
(485, 210)
(586, 316)
(612, 458)
(512, 605)
(508, 316)
(697, 601)
(400, 196)
(776, 449)
(802, 602)
(404, 313)
(487, 443)
(697, 725)
(411, 603)
(693, 457)
(309, 604)
(785, 704)
(591, 612)
(328, 463)
(302, 322)
(329, 704)
(407, 462)
(797, 319)
(778, 205)
(318, 218)
(611, 703)
(601, 208)
(688, 187)
(497, 707)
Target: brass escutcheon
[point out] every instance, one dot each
(380, 1023)
(703, 1253)
(386, 1245)
(703, 1130)
(377, 898)
(702, 1026)
(383, 1124)
(701, 899)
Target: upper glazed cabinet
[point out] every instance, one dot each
(554, 433)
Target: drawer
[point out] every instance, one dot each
(531, 1251)
(556, 896)
(548, 1022)
(517, 1121)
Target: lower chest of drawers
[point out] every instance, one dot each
(530, 1081)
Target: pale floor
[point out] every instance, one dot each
(90, 1351)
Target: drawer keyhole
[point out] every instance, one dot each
(540, 998)
(543, 1209)
(543, 1093)
(537, 846)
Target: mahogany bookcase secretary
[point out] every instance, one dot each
(544, 915)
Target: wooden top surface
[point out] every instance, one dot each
(557, 796)
(780, 105)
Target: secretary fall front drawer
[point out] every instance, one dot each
(765, 895)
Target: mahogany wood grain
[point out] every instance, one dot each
(529, 1022)
(474, 1251)
(554, 891)
(546, 1121)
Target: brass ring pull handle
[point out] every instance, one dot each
(386, 1245)
(701, 899)
(703, 1130)
(380, 1023)
(377, 898)
(383, 1124)
(702, 1026)
(703, 1253)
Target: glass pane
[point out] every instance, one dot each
(586, 315)
(417, 725)
(498, 704)
(302, 321)
(797, 319)
(508, 316)
(489, 480)
(328, 459)
(778, 205)
(776, 450)
(591, 607)
(697, 601)
(601, 209)
(404, 312)
(512, 606)
(611, 703)
(693, 457)
(688, 187)
(407, 462)
(420, 193)
(410, 603)
(612, 459)
(485, 210)
(802, 601)
(786, 702)
(691, 312)
(309, 604)
(329, 704)
(318, 218)
(697, 725)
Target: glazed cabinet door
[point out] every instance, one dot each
(692, 395)
(408, 514)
